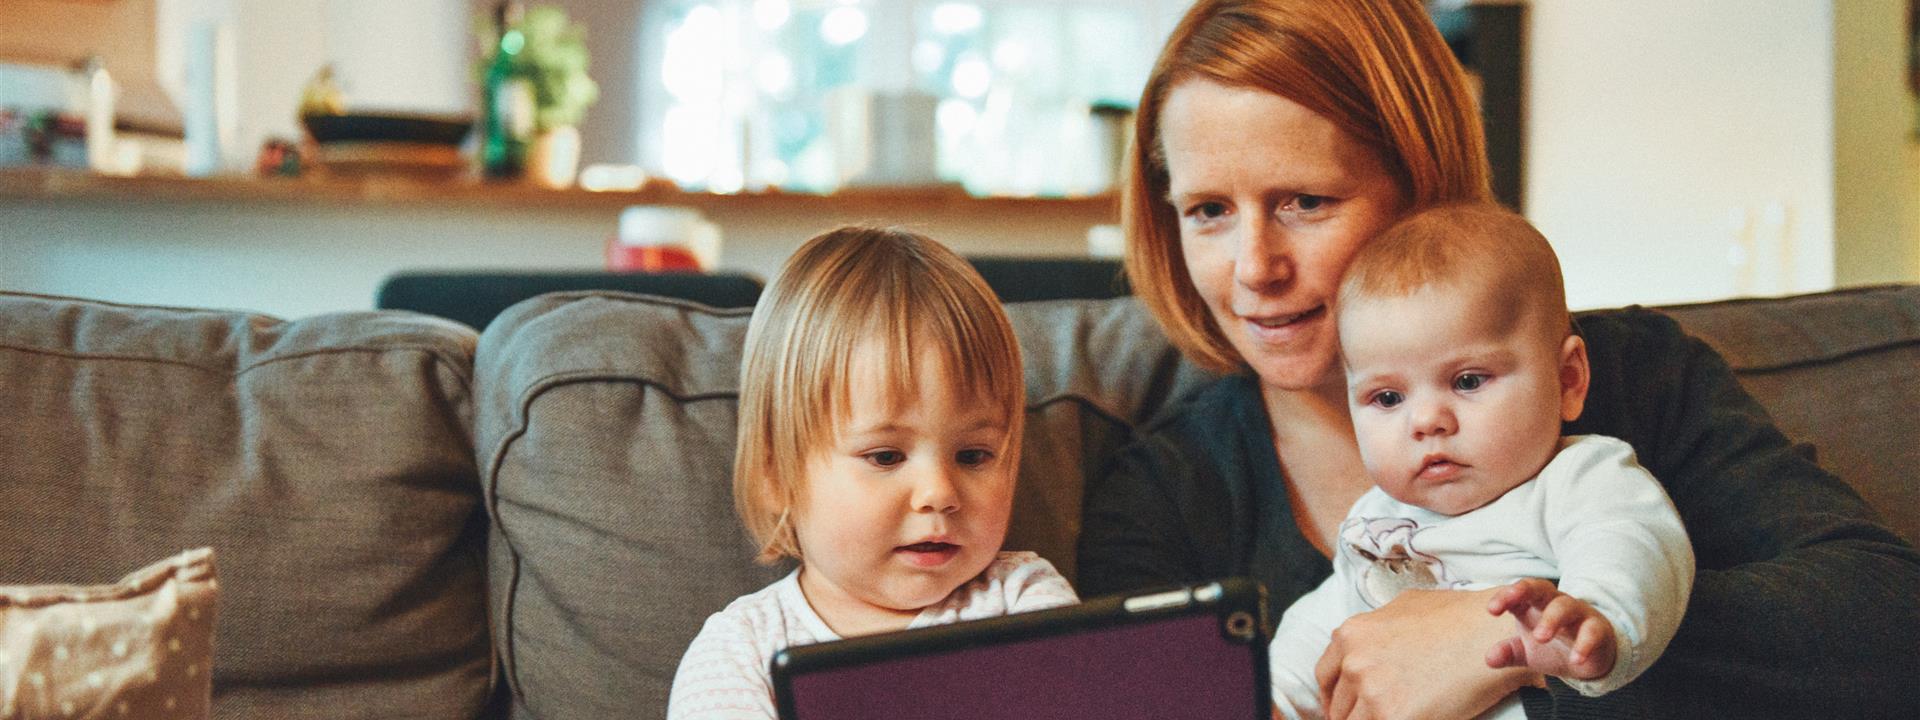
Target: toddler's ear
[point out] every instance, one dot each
(1574, 376)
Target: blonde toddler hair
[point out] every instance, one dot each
(846, 287)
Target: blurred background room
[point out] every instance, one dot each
(301, 156)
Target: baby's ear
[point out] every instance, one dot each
(1574, 376)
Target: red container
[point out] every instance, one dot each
(622, 257)
(663, 239)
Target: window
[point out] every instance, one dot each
(811, 95)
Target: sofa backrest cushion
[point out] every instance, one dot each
(328, 461)
(606, 430)
(1840, 371)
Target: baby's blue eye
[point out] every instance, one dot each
(1469, 382)
(1387, 399)
(1309, 203)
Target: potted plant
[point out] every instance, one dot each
(551, 59)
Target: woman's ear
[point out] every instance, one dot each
(1574, 376)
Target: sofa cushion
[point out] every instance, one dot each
(327, 460)
(606, 429)
(1838, 370)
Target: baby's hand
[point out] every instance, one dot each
(1561, 635)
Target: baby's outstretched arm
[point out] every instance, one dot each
(1560, 635)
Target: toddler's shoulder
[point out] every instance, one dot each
(757, 618)
(1028, 581)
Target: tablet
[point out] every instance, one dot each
(1191, 652)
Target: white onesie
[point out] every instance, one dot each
(1593, 519)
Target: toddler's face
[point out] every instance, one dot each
(910, 500)
(1452, 409)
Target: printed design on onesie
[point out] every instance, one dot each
(1386, 561)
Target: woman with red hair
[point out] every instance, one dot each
(1273, 139)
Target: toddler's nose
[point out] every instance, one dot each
(933, 492)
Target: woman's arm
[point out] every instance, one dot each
(1132, 533)
(1803, 605)
(1420, 656)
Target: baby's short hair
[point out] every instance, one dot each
(849, 286)
(1481, 246)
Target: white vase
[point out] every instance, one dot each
(554, 159)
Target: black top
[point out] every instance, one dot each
(1803, 605)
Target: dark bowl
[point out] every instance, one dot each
(365, 127)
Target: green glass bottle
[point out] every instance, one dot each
(507, 101)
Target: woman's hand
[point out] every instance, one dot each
(1420, 656)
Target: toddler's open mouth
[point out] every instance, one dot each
(928, 554)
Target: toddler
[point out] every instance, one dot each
(881, 403)
(1461, 364)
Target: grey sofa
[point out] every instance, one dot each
(413, 521)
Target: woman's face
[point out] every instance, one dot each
(1272, 201)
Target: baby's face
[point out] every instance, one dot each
(910, 501)
(1452, 405)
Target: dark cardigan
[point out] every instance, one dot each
(1804, 605)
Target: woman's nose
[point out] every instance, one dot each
(1262, 258)
(933, 492)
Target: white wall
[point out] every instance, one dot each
(413, 56)
(1682, 151)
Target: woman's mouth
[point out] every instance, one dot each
(927, 554)
(1274, 327)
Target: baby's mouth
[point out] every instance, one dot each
(1439, 468)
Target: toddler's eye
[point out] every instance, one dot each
(886, 458)
(1469, 382)
(1387, 399)
(974, 457)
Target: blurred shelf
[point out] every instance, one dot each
(75, 185)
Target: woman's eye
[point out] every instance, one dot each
(1387, 399)
(1207, 210)
(886, 458)
(974, 458)
(1469, 382)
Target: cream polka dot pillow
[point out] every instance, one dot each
(139, 648)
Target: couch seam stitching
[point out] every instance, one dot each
(1762, 368)
(236, 372)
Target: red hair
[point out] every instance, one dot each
(1378, 69)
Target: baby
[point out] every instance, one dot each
(1461, 364)
(881, 403)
